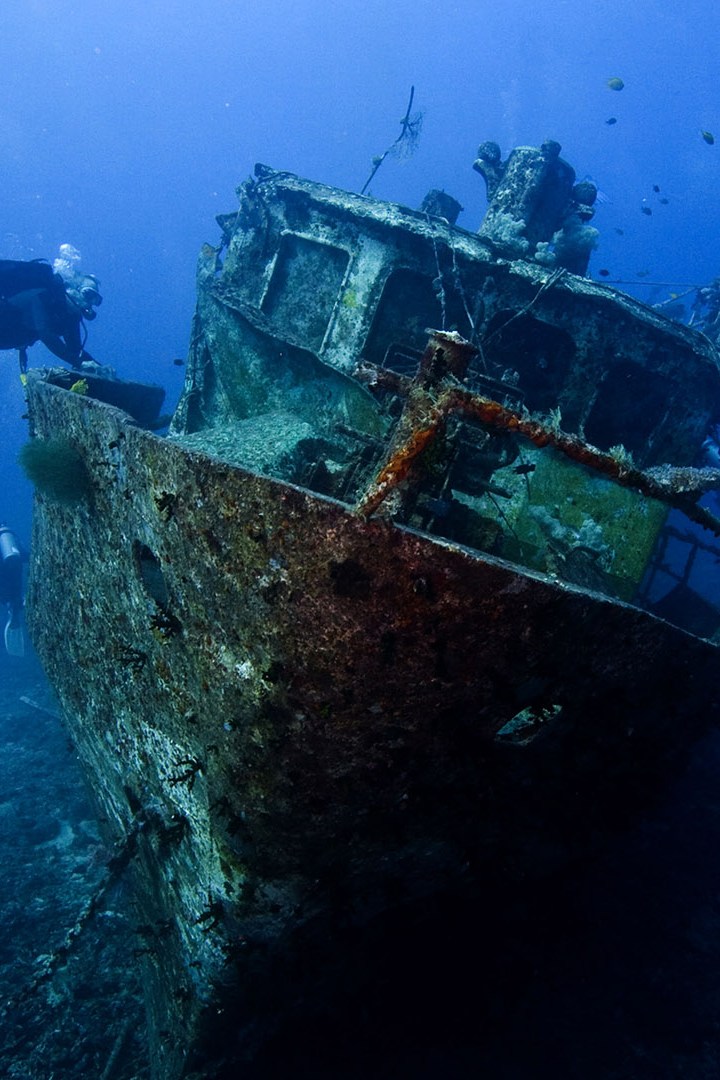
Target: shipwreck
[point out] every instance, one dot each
(389, 609)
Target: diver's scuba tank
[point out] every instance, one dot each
(9, 547)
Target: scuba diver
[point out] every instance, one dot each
(11, 591)
(39, 302)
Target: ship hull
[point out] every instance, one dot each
(295, 720)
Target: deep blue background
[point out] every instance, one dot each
(127, 124)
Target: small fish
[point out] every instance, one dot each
(708, 137)
(615, 83)
(646, 210)
(663, 201)
(656, 187)
(641, 273)
(525, 468)
(179, 362)
(611, 120)
(620, 232)
(604, 272)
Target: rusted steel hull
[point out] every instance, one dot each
(301, 718)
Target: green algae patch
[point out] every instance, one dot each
(56, 469)
(571, 508)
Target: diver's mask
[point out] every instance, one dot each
(85, 294)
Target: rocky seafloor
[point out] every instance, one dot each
(69, 998)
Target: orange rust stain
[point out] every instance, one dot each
(401, 462)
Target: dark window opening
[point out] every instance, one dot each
(305, 283)
(408, 308)
(151, 575)
(541, 354)
(630, 404)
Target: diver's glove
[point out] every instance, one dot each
(101, 371)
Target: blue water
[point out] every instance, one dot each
(127, 124)
(126, 127)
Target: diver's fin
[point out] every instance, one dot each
(14, 640)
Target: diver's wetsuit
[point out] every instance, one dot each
(46, 315)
